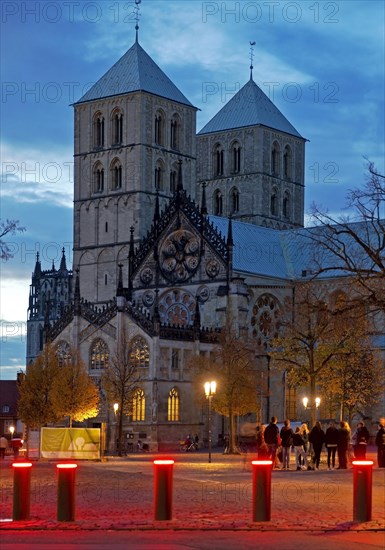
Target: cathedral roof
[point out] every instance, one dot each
(135, 71)
(249, 107)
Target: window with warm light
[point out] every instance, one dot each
(138, 406)
(140, 355)
(173, 406)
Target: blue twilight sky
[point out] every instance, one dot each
(322, 63)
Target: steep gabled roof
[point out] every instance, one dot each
(135, 71)
(249, 107)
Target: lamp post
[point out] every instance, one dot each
(210, 389)
(12, 431)
(116, 441)
(317, 402)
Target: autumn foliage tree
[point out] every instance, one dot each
(35, 406)
(74, 394)
(232, 364)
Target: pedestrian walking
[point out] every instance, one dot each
(331, 443)
(343, 445)
(361, 439)
(380, 442)
(271, 436)
(317, 439)
(3, 446)
(298, 444)
(287, 441)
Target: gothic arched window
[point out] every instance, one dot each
(173, 406)
(98, 130)
(236, 158)
(218, 203)
(158, 176)
(287, 163)
(63, 353)
(175, 132)
(234, 200)
(218, 160)
(117, 127)
(138, 406)
(140, 355)
(173, 179)
(159, 128)
(98, 178)
(99, 355)
(275, 159)
(274, 204)
(286, 205)
(116, 174)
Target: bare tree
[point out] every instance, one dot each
(120, 380)
(355, 245)
(8, 227)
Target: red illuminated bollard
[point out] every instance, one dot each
(261, 489)
(21, 489)
(163, 489)
(66, 475)
(362, 490)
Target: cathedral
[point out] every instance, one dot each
(174, 230)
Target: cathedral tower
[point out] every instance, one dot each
(131, 130)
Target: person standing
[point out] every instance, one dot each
(361, 439)
(3, 446)
(317, 439)
(380, 443)
(343, 445)
(271, 435)
(331, 442)
(287, 441)
(305, 437)
(298, 444)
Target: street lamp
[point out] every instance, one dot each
(116, 408)
(317, 402)
(12, 430)
(210, 389)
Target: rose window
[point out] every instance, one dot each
(179, 256)
(177, 308)
(265, 319)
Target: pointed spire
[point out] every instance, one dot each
(37, 270)
(63, 263)
(204, 206)
(53, 266)
(252, 44)
(197, 316)
(119, 291)
(230, 241)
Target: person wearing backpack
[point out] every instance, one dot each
(271, 435)
(361, 439)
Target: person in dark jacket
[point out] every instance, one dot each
(271, 434)
(287, 441)
(380, 442)
(331, 443)
(361, 439)
(298, 444)
(343, 445)
(317, 438)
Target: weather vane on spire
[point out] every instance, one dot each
(137, 15)
(252, 44)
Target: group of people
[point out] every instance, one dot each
(338, 440)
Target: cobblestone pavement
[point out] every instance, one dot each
(118, 495)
